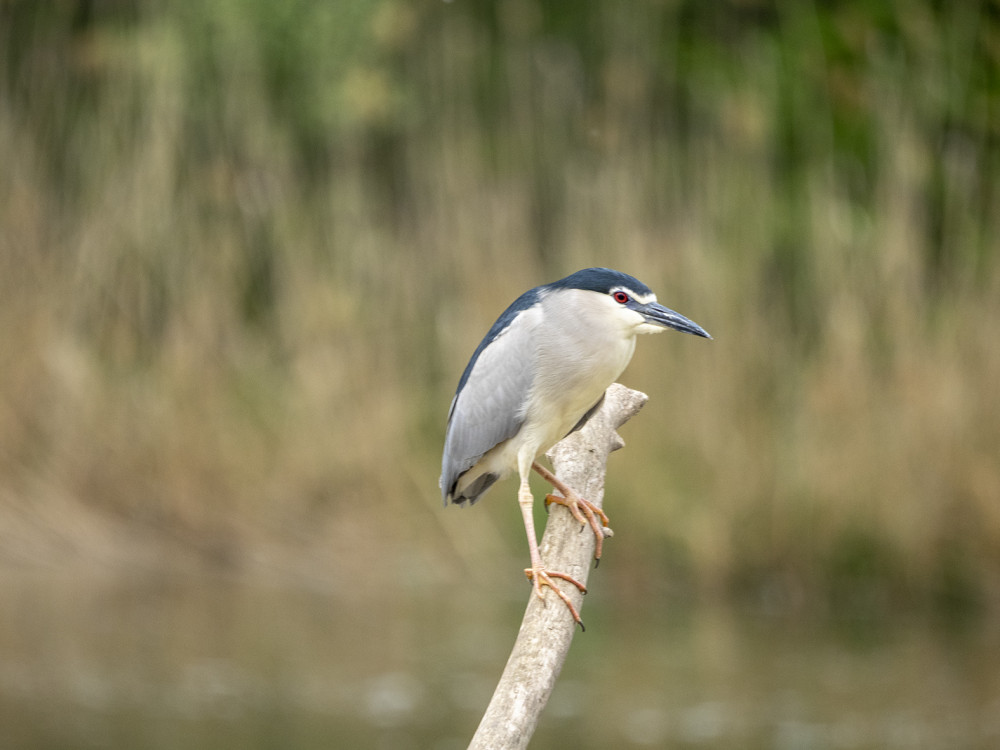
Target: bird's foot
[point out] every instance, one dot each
(541, 577)
(587, 514)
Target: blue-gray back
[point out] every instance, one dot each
(488, 407)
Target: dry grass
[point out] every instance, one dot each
(234, 313)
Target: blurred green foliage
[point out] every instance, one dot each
(247, 247)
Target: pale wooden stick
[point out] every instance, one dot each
(580, 461)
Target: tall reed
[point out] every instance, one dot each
(247, 248)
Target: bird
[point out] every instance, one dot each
(539, 373)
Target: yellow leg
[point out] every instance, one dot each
(537, 574)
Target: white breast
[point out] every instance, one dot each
(578, 355)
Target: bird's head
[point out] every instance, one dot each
(627, 301)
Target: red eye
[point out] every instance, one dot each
(620, 297)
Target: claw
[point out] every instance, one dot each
(584, 511)
(540, 577)
(589, 517)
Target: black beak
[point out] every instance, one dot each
(659, 315)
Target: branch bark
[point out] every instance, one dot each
(580, 461)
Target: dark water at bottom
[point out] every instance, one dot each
(174, 662)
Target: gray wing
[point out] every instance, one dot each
(489, 407)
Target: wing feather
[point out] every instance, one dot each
(489, 406)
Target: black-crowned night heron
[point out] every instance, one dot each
(539, 373)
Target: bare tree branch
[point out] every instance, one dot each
(580, 461)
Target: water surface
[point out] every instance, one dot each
(200, 663)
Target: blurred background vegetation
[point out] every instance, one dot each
(246, 249)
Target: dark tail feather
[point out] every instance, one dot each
(473, 492)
